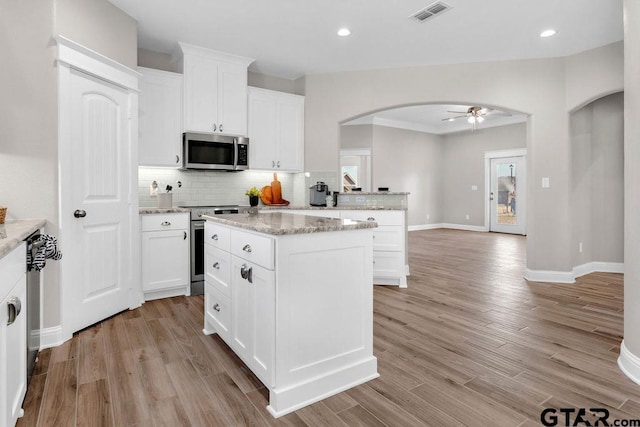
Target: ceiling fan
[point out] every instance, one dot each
(474, 115)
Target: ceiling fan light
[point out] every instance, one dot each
(471, 119)
(480, 119)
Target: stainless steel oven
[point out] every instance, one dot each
(197, 240)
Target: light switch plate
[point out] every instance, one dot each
(545, 182)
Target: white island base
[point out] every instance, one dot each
(299, 307)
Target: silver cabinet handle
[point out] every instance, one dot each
(177, 159)
(216, 266)
(247, 248)
(214, 237)
(491, 196)
(15, 307)
(278, 163)
(165, 223)
(79, 213)
(371, 218)
(214, 127)
(185, 235)
(220, 127)
(246, 273)
(273, 163)
(216, 307)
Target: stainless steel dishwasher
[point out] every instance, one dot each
(33, 306)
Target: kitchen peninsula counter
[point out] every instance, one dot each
(280, 223)
(292, 296)
(13, 232)
(334, 208)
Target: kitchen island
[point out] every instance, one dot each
(292, 296)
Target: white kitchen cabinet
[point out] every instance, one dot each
(215, 91)
(276, 130)
(13, 337)
(160, 118)
(388, 244)
(299, 312)
(165, 255)
(253, 316)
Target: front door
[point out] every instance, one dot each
(507, 195)
(95, 180)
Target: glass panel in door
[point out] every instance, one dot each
(507, 195)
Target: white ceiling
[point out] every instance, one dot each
(290, 38)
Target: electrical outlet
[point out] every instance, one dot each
(428, 216)
(467, 216)
(474, 188)
(153, 190)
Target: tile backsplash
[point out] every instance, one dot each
(220, 188)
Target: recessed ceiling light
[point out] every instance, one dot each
(344, 32)
(547, 33)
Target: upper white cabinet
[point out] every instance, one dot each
(160, 118)
(215, 91)
(276, 130)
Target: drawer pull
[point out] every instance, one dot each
(15, 307)
(247, 248)
(216, 307)
(185, 235)
(371, 218)
(246, 273)
(214, 237)
(165, 223)
(216, 266)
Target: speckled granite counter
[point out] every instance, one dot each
(151, 211)
(334, 208)
(279, 223)
(13, 232)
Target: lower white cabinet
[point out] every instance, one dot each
(165, 255)
(296, 308)
(13, 335)
(253, 316)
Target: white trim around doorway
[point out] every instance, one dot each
(488, 156)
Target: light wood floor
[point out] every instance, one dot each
(468, 343)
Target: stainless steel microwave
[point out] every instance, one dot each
(214, 151)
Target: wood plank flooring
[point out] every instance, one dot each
(468, 343)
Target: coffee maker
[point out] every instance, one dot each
(318, 194)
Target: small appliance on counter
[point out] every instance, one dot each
(318, 194)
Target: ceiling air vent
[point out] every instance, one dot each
(437, 8)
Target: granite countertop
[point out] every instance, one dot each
(151, 211)
(376, 193)
(280, 223)
(336, 208)
(14, 231)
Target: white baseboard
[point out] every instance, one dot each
(549, 276)
(424, 227)
(604, 267)
(629, 364)
(51, 337)
(447, 225)
(570, 276)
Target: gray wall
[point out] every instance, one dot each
(28, 125)
(356, 136)
(28, 113)
(463, 160)
(597, 203)
(546, 89)
(405, 160)
(101, 26)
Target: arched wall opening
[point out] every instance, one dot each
(597, 185)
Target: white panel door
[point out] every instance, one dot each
(96, 265)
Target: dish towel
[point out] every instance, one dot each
(48, 249)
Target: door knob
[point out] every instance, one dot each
(15, 307)
(79, 213)
(217, 307)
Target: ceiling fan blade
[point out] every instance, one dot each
(458, 112)
(455, 117)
